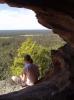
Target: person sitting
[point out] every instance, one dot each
(30, 72)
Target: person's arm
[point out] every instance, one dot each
(23, 75)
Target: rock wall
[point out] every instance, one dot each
(59, 16)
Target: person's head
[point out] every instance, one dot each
(27, 58)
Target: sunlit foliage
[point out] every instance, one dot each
(39, 53)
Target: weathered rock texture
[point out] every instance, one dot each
(59, 16)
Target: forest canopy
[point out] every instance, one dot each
(11, 47)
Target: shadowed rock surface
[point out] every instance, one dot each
(59, 16)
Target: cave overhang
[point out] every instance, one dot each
(54, 14)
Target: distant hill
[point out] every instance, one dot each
(24, 32)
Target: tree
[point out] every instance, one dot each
(39, 53)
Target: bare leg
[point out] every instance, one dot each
(23, 80)
(16, 79)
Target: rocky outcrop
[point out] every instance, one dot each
(7, 86)
(59, 16)
(62, 67)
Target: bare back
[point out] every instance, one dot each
(32, 73)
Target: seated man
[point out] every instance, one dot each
(30, 72)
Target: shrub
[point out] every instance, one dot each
(39, 54)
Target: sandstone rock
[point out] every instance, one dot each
(7, 86)
(59, 16)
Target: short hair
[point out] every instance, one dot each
(27, 57)
(31, 60)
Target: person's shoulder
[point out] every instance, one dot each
(27, 65)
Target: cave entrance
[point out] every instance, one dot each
(15, 24)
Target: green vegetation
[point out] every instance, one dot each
(8, 48)
(12, 47)
(40, 55)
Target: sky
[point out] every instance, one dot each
(17, 19)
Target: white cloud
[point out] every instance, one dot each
(18, 19)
